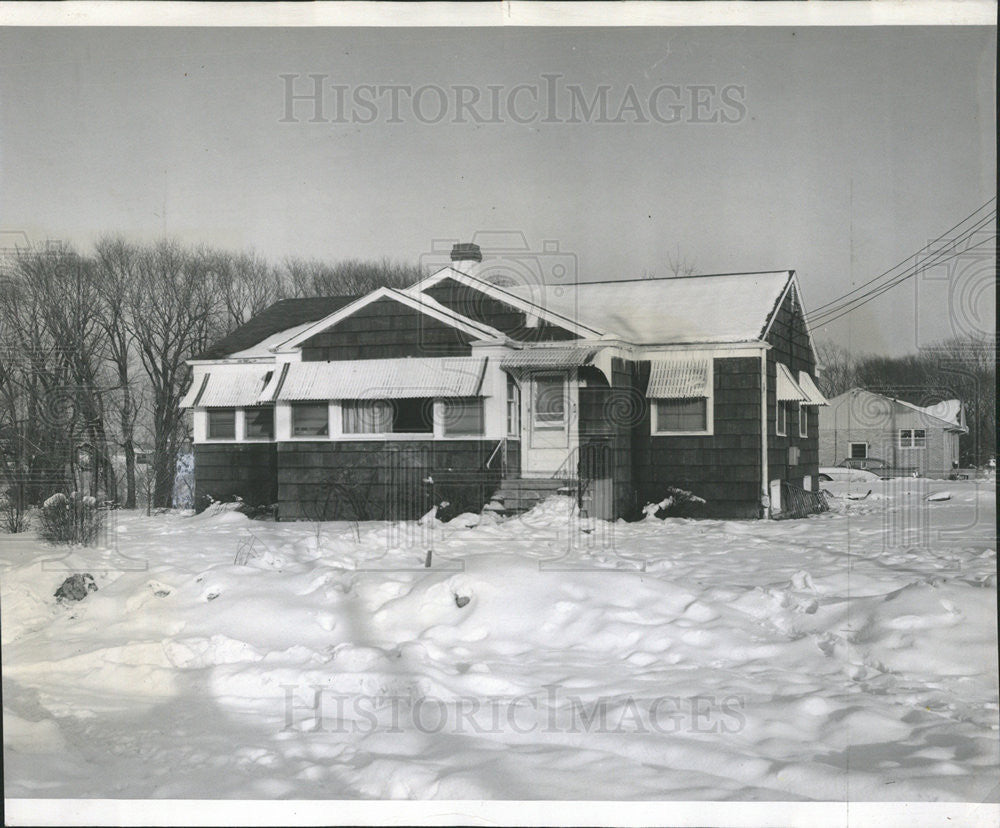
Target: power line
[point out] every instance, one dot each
(837, 313)
(907, 259)
(854, 304)
(936, 257)
(933, 258)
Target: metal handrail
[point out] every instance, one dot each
(502, 444)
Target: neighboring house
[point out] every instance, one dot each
(349, 407)
(860, 424)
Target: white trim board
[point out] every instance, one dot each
(421, 304)
(501, 295)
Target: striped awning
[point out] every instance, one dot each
(228, 386)
(679, 378)
(814, 395)
(377, 379)
(788, 389)
(549, 358)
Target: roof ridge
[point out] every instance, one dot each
(689, 276)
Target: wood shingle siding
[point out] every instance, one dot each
(476, 305)
(368, 480)
(224, 471)
(386, 329)
(724, 467)
(790, 345)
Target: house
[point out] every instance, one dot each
(860, 424)
(461, 390)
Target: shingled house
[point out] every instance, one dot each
(459, 389)
(863, 425)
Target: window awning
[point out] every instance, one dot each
(815, 396)
(378, 379)
(228, 386)
(679, 377)
(549, 358)
(788, 389)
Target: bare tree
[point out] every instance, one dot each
(680, 265)
(115, 269)
(838, 368)
(246, 284)
(312, 277)
(53, 373)
(171, 309)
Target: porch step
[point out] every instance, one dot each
(521, 494)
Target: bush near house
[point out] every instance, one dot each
(70, 519)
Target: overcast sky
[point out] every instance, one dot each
(836, 152)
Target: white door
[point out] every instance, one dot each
(547, 424)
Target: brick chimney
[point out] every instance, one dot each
(465, 256)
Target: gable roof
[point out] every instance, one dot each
(531, 303)
(716, 308)
(419, 302)
(947, 414)
(271, 322)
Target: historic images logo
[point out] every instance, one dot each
(316, 98)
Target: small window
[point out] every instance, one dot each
(859, 451)
(310, 419)
(513, 407)
(222, 424)
(260, 423)
(803, 420)
(781, 419)
(682, 415)
(912, 438)
(549, 403)
(463, 416)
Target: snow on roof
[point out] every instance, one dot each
(274, 320)
(377, 379)
(948, 411)
(263, 348)
(728, 307)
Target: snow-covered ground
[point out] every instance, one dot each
(851, 655)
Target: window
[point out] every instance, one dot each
(310, 419)
(222, 424)
(803, 420)
(859, 451)
(411, 416)
(463, 416)
(366, 416)
(549, 403)
(513, 407)
(912, 438)
(781, 419)
(260, 423)
(414, 416)
(682, 415)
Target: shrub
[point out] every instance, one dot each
(72, 519)
(13, 515)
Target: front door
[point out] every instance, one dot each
(547, 424)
